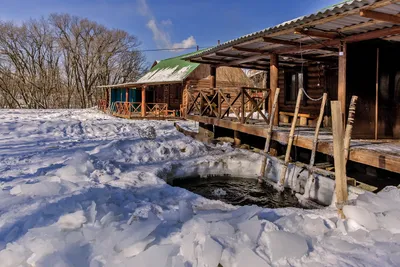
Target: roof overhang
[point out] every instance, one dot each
(134, 84)
(312, 38)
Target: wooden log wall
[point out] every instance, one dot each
(314, 83)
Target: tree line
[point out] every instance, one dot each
(58, 62)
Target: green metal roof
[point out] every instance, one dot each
(170, 70)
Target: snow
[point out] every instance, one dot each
(174, 74)
(81, 188)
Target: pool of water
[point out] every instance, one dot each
(238, 191)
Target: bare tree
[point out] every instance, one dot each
(59, 61)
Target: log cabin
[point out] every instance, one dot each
(162, 89)
(350, 48)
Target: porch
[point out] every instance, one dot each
(240, 110)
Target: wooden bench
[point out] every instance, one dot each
(286, 117)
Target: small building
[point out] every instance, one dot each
(162, 88)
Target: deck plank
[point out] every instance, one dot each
(384, 154)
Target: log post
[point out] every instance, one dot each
(377, 94)
(143, 101)
(237, 141)
(310, 179)
(281, 183)
(274, 76)
(342, 76)
(213, 77)
(349, 126)
(219, 104)
(269, 132)
(126, 94)
(242, 117)
(339, 157)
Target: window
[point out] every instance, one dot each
(294, 80)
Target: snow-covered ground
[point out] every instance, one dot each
(80, 188)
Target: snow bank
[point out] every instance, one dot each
(86, 190)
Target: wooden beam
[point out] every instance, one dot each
(316, 33)
(224, 54)
(274, 79)
(250, 50)
(349, 39)
(282, 42)
(380, 16)
(342, 75)
(248, 59)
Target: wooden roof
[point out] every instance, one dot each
(315, 37)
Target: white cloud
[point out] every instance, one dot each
(144, 8)
(161, 37)
(187, 43)
(160, 31)
(167, 22)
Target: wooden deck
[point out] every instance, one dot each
(384, 154)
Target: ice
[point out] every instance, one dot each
(77, 168)
(211, 253)
(136, 232)
(362, 216)
(72, 221)
(390, 221)
(285, 245)
(185, 210)
(138, 247)
(221, 229)
(380, 235)
(37, 189)
(252, 229)
(390, 192)
(176, 261)
(155, 256)
(92, 213)
(107, 219)
(247, 258)
(314, 226)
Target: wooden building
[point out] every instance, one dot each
(347, 49)
(164, 84)
(351, 48)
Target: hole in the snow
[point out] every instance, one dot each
(238, 191)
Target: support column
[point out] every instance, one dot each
(236, 138)
(342, 77)
(274, 76)
(143, 109)
(213, 84)
(126, 94)
(213, 75)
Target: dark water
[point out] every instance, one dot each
(238, 191)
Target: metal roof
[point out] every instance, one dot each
(343, 18)
(166, 71)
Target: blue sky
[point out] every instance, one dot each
(171, 23)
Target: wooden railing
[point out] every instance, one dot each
(134, 109)
(102, 105)
(237, 104)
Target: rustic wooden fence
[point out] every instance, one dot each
(237, 104)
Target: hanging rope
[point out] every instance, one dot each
(302, 73)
